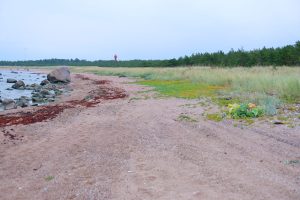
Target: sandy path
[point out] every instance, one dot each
(134, 148)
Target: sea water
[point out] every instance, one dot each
(27, 77)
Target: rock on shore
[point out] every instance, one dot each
(44, 82)
(8, 104)
(11, 80)
(60, 75)
(18, 85)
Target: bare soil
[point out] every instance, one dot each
(111, 139)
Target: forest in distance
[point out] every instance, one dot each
(282, 56)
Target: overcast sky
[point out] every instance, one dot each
(142, 29)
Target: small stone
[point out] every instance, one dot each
(23, 102)
(50, 96)
(37, 99)
(52, 92)
(11, 80)
(18, 85)
(44, 92)
(278, 122)
(45, 82)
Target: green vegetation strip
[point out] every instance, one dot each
(269, 89)
(214, 117)
(182, 89)
(186, 118)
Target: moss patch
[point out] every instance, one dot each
(249, 121)
(221, 101)
(186, 118)
(214, 117)
(182, 89)
(49, 178)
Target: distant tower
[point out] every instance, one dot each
(116, 57)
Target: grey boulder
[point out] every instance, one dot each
(9, 104)
(59, 75)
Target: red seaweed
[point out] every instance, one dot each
(44, 113)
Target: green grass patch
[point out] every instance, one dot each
(282, 118)
(49, 178)
(223, 101)
(186, 118)
(182, 88)
(214, 117)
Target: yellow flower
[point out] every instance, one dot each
(251, 105)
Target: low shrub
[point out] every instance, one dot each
(238, 111)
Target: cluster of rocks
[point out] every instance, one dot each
(44, 92)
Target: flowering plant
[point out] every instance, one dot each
(245, 110)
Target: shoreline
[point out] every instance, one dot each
(33, 114)
(22, 88)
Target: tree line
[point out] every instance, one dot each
(288, 55)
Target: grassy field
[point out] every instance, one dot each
(268, 87)
(192, 82)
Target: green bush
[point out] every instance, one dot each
(238, 111)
